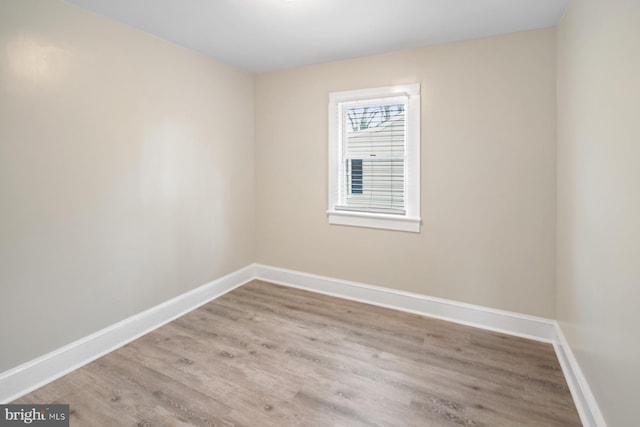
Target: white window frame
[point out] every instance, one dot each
(410, 220)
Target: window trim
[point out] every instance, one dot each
(410, 220)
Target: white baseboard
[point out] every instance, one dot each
(580, 391)
(25, 378)
(511, 323)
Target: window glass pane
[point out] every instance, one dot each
(375, 131)
(374, 150)
(382, 185)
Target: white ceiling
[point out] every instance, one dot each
(265, 35)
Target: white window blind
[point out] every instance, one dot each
(374, 158)
(373, 161)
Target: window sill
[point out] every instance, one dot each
(372, 220)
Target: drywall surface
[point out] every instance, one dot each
(488, 173)
(598, 272)
(126, 174)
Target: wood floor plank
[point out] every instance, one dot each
(266, 355)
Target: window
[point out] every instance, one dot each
(374, 158)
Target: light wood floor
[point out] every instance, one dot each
(265, 355)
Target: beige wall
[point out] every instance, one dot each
(599, 198)
(126, 174)
(488, 173)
